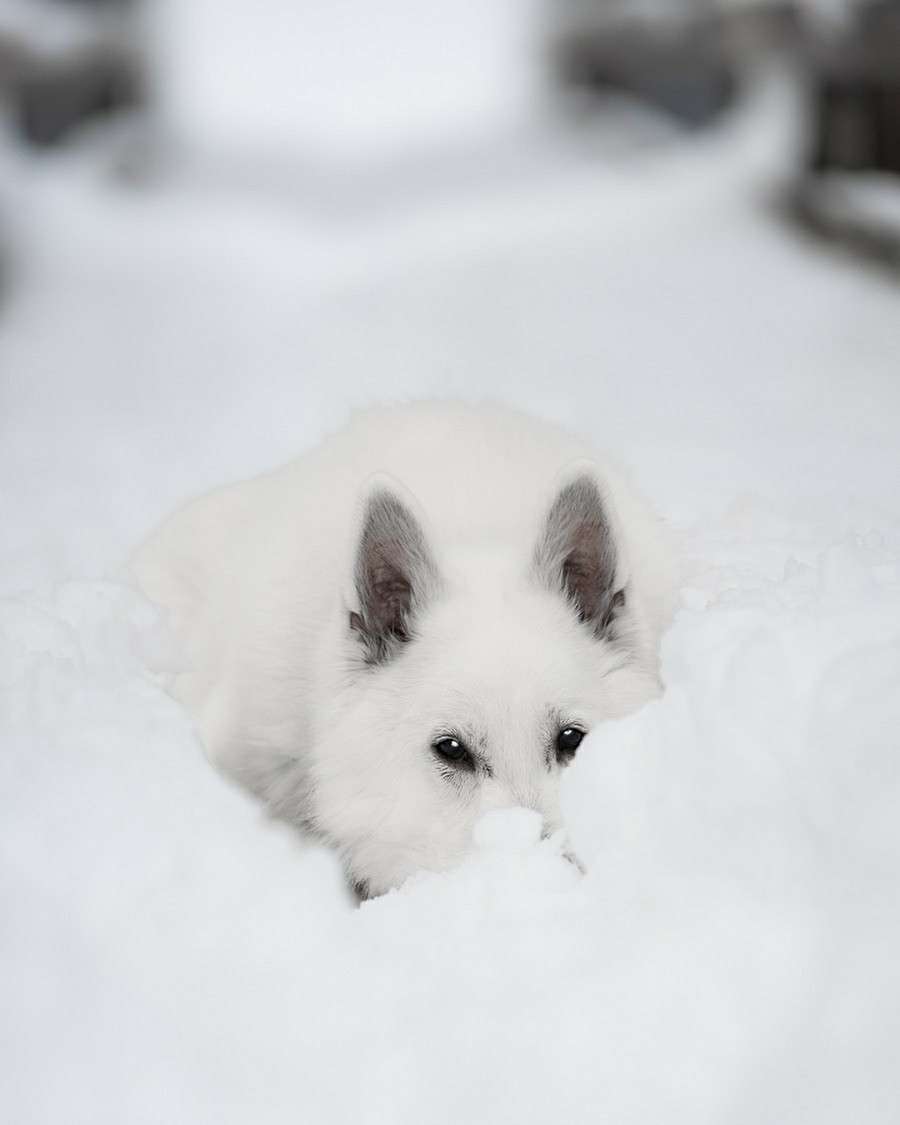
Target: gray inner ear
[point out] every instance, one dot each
(576, 555)
(394, 576)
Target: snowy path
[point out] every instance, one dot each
(731, 955)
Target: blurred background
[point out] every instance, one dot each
(223, 223)
(671, 225)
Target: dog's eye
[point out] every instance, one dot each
(567, 742)
(454, 752)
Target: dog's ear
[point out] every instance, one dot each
(394, 574)
(576, 552)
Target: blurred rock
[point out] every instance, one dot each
(848, 189)
(855, 86)
(63, 64)
(675, 57)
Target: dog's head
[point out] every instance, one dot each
(469, 677)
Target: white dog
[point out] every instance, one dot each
(413, 624)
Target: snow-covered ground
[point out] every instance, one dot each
(731, 955)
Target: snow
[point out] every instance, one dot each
(869, 197)
(730, 955)
(349, 82)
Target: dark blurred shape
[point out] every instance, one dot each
(849, 189)
(856, 83)
(676, 58)
(64, 63)
(53, 100)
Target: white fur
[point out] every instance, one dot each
(257, 579)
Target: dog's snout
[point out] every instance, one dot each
(495, 795)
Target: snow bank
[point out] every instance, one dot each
(729, 955)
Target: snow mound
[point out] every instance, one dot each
(727, 956)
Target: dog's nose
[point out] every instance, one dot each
(549, 830)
